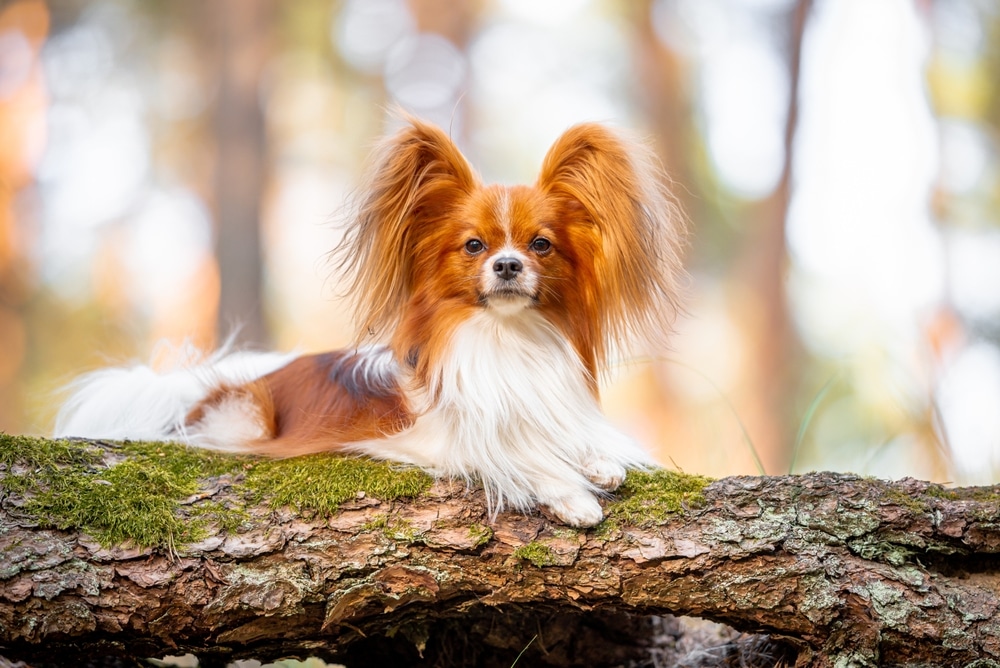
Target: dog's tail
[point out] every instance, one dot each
(142, 404)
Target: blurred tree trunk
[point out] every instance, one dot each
(665, 97)
(767, 401)
(763, 399)
(666, 101)
(241, 29)
(451, 19)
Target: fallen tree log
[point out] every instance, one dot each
(152, 549)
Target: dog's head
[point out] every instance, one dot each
(593, 245)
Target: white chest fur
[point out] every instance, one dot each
(510, 405)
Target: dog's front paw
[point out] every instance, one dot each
(576, 510)
(605, 474)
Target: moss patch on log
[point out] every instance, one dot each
(981, 494)
(71, 484)
(140, 492)
(41, 453)
(321, 483)
(539, 554)
(480, 534)
(393, 528)
(648, 497)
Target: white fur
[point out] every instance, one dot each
(139, 403)
(228, 425)
(512, 407)
(376, 367)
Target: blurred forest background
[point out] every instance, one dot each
(169, 169)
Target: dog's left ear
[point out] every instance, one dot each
(620, 189)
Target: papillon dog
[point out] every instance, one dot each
(486, 316)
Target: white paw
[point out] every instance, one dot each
(577, 510)
(605, 474)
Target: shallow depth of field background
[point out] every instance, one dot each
(171, 169)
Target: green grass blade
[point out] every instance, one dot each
(524, 650)
(807, 420)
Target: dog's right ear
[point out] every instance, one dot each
(416, 177)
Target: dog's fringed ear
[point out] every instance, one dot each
(616, 189)
(415, 177)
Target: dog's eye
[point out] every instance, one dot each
(540, 245)
(473, 246)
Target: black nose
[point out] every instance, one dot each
(507, 267)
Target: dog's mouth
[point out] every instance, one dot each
(508, 296)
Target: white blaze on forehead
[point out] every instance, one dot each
(505, 218)
(504, 211)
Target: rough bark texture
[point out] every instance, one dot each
(849, 571)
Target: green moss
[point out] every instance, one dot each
(607, 529)
(988, 496)
(377, 523)
(404, 531)
(67, 484)
(72, 484)
(651, 496)
(904, 500)
(33, 452)
(227, 519)
(539, 554)
(940, 492)
(480, 534)
(392, 528)
(322, 482)
(129, 501)
(981, 494)
(181, 460)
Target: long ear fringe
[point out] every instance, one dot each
(623, 189)
(413, 176)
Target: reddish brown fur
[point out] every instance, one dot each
(305, 409)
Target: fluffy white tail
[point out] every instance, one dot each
(139, 403)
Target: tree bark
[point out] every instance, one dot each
(848, 571)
